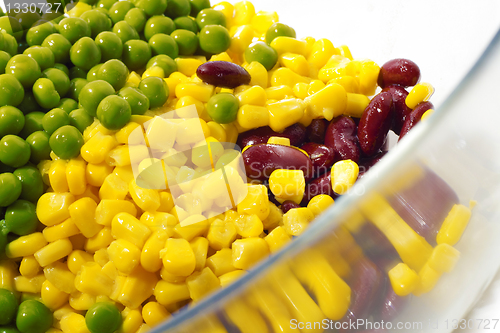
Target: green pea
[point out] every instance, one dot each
(164, 44)
(10, 44)
(76, 85)
(14, 151)
(138, 102)
(85, 53)
(119, 9)
(11, 120)
(20, 217)
(59, 78)
(93, 93)
(33, 317)
(28, 19)
(80, 119)
(77, 72)
(24, 68)
(3, 243)
(136, 54)
(54, 119)
(186, 23)
(32, 123)
(165, 62)
(125, 31)
(10, 189)
(68, 105)
(97, 21)
(32, 183)
(2, 41)
(186, 40)
(263, 53)
(63, 68)
(158, 24)
(39, 31)
(152, 7)
(114, 112)
(39, 146)
(42, 55)
(4, 59)
(279, 29)
(103, 317)
(223, 108)
(136, 17)
(156, 90)
(198, 5)
(90, 2)
(115, 72)
(92, 73)
(107, 4)
(214, 39)
(210, 16)
(29, 103)
(177, 8)
(12, 26)
(59, 45)
(110, 44)
(74, 28)
(66, 142)
(8, 304)
(11, 90)
(45, 93)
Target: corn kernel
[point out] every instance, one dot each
(100, 240)
(241, 37)
(248, 251)
(91, 280)
(94, 128)
(25, 245)
(59, 275)
(368, 77)
(321, 52)
(52, 297)
(223, 56)
(150, 255)
(77, 259)
(221, 262)
(167, 293)
(131, 321)
(420, 93)
(29, 267)
(199, 91)
(52, 208)
(96, 173)
(337, 66)
(243, 12)
(202, 283)
(107, 209)
(246, 318)
(428, 277)
(256, 202)
(81, 301)
(274, 309)
(113, 188)
(454, 225)
(178, 257)
(73, 323)
(29, 285)
(124, 255)
(249, 226)
(101, 257)
(356, 104)
(287, 184)
(75, 175)
(329, 102)
(274, 218)
(82, 213)
(221, 234)
(427, 114)
(53, 252)
(252, 116)
(277, 238)
(154, 313)
(200, 250)
(161, 133)
(137, 288)
(258, 73)
(255, 95)
(283, 44)
(127, 155)
(131, 134)
(127, 227)
(319, 203)
(444, 258)
(188, 66)
(57, 176)
(285, 113)
(296, 220)
(403, 279)
(286, 77)
(155, 71)
(300, 90)
(95, 150)
(344, 51)
(344, 175)
(146, 199)
(350, 83)
(295, 62)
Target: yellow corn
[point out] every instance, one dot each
(133, 79)
(320, 203)
(154, 313)
(31, 285)
(96, 173)
(29, 267)
(255, 95)
(53, 252)
(274, 218)
(223, 56)
(146, 199)
(295, 62)
(73, 323)
(137, 287)
(199, 91)
(155, 71)
(428, 277)
(245, 317)
(166, 202)
(61, 230)
(91, 280)
(189, 100)
(256, 202)
(228, 278)
(252, 116)
(82, 213)
(243, 12)
(420, 93)
(329, 102)
(296, 220)
(356, 104)
(221, 262)
(337, 66)
(107, 209)
(59, 275)
(287, 185)
(178, 257)
(300, 90)
(77, 259)
(52, 297)
(258, 73)
(202, 283)
(344, 51)
(262, 20)
(427, 114)
(25, 245)
(75, 176)
(127, 155)
(57, 176)
(52, 208)
(125, 173)
(315, 86)
(81, 301)
(444, 258)
(130, 134)
(94, 128)
(241, 37)
(284, 44)
(167, 293)
(274, 309)
(350, 83)
(221, 234)
(285, 113)
(160, 221)
(200, 250)
(95, 150)
(403, 279)
(101, 257)
(277, 238)
(321, 52)
(286, 77)
(126, 226)
(344, 175)
(99, 241)
(188, 66)
(150, 255)
(368, 77)
(195, 225)
(454, 225)
(277, 140)
(248, 251)
(113, 188)
(249, 226)
(131, 321)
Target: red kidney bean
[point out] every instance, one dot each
(296, 133)
(262, 159)
(341, 136)
(288, 204)
(392, 304)
(366, 163)
(414, 117)
(375, 123)
(320, 185)
(223, 74)
(401, 110)
(403, 72)
(366, 282)
(315, 132)
(321, 156)
(425, 205)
